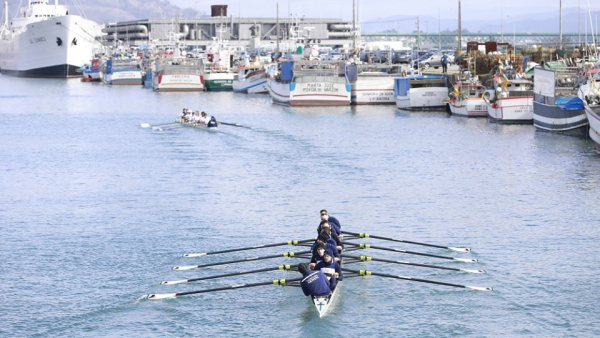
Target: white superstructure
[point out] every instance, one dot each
(46, 41)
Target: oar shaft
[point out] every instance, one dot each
(281, 267)
(286, 254)
(368, 246)
(365, 235)
(371, 273)
(292, 242)
(367, 258)
(281, 282)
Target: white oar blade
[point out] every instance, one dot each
(161, 295)
(193, 255)
(185, 267)
(459, 249)
(173, 282)
(466, 260)
(145, 125)
(479, 288)
(472, 271)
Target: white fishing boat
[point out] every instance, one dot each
(310, 83)
(511, 101)
(122, 72)
(421, 92)
(251, 79)
(178, 75)
(46, 41)
(467, 100)
(593, 115)
(371, 84)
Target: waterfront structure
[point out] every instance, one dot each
(46, 41)
(240, 32)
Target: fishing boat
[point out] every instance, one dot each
(466, 99)
(178, 75)
(251, 79)
(310, 84)
(371, 84)
(421, 92)
(122, 72)
(510, 100)
(593, 115)
(92, 73)
(556, 106)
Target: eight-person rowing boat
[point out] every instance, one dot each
(322, 269)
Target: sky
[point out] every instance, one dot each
(373, 9)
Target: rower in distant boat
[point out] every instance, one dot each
(314, 283)
(334, 222)
(212, 123)
(323, 237)
(330, 268)
(204, 119)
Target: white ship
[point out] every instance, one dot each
(46, 41)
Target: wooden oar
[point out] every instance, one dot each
(365, 235)
(292, 242)
(182, 281)
(367, 259)
(368, 246)
(370, 273)
(285, 254)
(234, 125)
(281, 282)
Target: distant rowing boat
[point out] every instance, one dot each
(197, 125)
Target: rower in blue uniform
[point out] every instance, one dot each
(212, 123)
(333, 238)
(320, 252)
(336, 227)
(331, 268)
(314, 283)
(323, 237)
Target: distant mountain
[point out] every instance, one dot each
(543, 22)
(118, 10)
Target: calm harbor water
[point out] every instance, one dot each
(95, 211)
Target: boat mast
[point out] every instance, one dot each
(459, 30)
(560, 26)
(354, 25)
(5, 24)
(592, 30)
(277, 27)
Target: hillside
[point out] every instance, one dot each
(119, 10)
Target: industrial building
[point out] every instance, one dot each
(239, 31)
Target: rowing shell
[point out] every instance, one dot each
(197, 125)
(322, 303)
